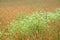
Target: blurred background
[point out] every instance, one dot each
(10, 8)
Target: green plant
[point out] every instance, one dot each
(37, 20)
(31, 23)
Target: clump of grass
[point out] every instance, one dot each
(35, 21)
(30, 24)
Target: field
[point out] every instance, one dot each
(26, 20)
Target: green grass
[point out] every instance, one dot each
(35, 21)
(29, 24)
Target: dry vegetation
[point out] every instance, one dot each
(38, 26)
(12, 29)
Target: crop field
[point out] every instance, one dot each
(30, 20)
